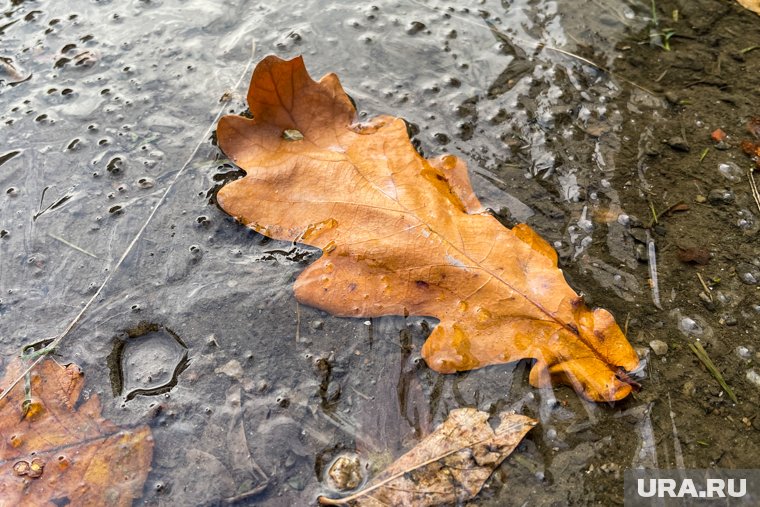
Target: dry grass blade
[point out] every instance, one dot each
(655, 285)
(701, 353)
(753, 187)
(708, 292)
(72, 245)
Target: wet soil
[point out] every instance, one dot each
(107, 114)
(708, 80)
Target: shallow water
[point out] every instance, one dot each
(111, 137)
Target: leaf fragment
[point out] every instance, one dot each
(449, 466)
(64, 451)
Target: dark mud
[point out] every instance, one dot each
(105, 115)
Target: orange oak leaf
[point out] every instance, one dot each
(402, 235)
(53, 452)
(752, 5)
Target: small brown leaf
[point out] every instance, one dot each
(752, 150)
(693, 255)
(57, 450)
(753, 124)
(678, 208)
(449, 466)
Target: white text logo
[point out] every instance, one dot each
(715, 488)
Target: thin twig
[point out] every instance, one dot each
(676, 441)
(753, 186)
(651, 252)
(56, 342)
(361, 394)
(72, 245)
(298, 322)
(679, 206)
(248, 494)
(704, 286)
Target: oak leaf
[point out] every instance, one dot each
(53, 452)
(402, 235)
(449, 466)
(752, 5)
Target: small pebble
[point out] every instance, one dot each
(678, 143)
(720, 196)
(707, 301)
(743, 352)
(638, 234)
(641, 253)
(690, 327)
(672, 97)
(700, 199)
(345, 473)
(753, 377)
(659, 347)
(731, 172)
(748, 273)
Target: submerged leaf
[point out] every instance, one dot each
(402, 235)
(448, 466)
(57, 453)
